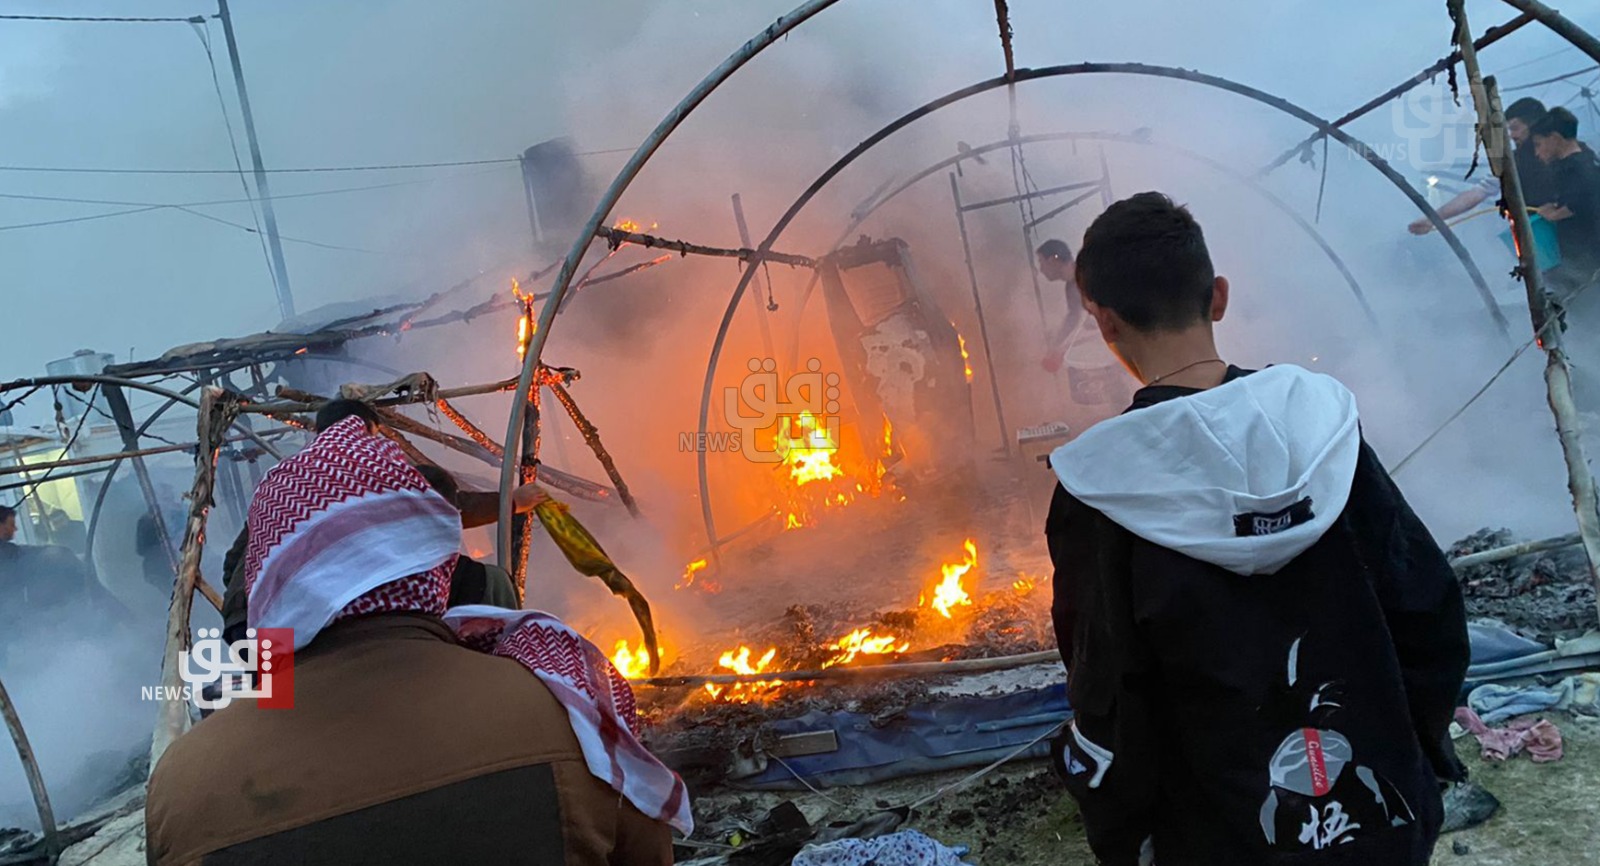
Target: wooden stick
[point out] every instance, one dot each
(1557, 374)
(217, 411)
(867, 672)
(278, 407)
(617, 237)
(591, 435)
(1512, 551)
(30, 766)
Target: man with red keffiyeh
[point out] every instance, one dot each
(352, 550)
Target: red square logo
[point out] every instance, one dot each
(275, 668)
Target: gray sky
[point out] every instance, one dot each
(415, 81)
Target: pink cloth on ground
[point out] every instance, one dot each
(1539, 737)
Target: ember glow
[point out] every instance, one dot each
(863, 642)
(1023, 585)
(738, 661)
(525, 322)
(631, 664)
(966, 360)
(950, 593)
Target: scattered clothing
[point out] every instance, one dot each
(1540, 737)
(905, 848)
(1238, 694)
(1579, 694)
(405, 722)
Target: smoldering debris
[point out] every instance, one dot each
(1545, 595)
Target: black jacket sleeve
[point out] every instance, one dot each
(1108, 756)
(1422, 605)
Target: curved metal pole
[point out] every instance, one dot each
(1559, 24)
(569, 267)
(111, 471)
(907, 119)
(173, 397)
(101, 379)
(30, 766)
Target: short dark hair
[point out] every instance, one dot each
(334, 411)
(1556, 121)
(7, 513)
(1055, 249)
(1145, 259)
(441, 481)
(1527, 109)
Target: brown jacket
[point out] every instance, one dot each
(402, 747)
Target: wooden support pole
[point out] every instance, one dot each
(618, 237)
(217, 411)
(280, 407)
(864, 672)
(1557, 374)
(1512, 551)
(30, 766)
(530, 473)
(591, 435)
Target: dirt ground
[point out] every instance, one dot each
(1021, 816)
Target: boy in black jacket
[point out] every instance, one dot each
(1264, 643)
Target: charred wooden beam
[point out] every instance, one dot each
(618, 237)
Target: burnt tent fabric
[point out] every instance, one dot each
(1263, 663)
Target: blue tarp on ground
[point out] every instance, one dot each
(973, 731)
(959, 732)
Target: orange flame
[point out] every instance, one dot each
(689, 571)
(809, 455)
(526, 326)
(633, 227)
(966, 360)
(863, 642)
(950, 593)
(738, 661)
(1023, 585)
(630, 663)
(793, 522)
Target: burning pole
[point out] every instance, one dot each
(1546, 326)
(608, 200)
(217, 413)
(591, 435)
(528, 468)
(983, 323)
(30, 766)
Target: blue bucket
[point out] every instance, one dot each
(1546, 250)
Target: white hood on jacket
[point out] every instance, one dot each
(1245, 476)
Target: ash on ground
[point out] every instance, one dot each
(1544, 595)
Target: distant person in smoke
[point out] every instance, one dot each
(1092, 374)
(1574, 203)
(472, 582)
(477, 509)
(416, 737)
(1536, 178)
(1264, 643)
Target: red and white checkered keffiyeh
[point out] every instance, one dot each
(347, 527)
